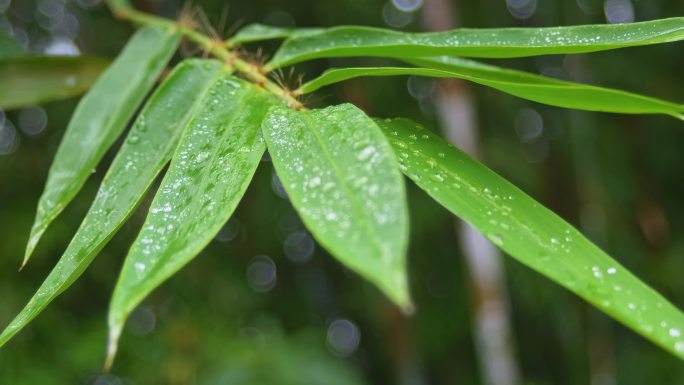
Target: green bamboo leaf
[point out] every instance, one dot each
(527, 86)
(208, 175)
(100, 118)
(258, 32)
(342, 178)
(484, 43)
(148, 147)
(38, 79)
(532, 234)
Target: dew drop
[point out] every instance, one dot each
(366, 153)
(315, 181)
(141, 124)
(495, 239)
(133, 139)
(437, 177)
(202, 156)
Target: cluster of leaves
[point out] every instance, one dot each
(341, 169)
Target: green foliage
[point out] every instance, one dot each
(210, 171)
(484, 43)
(259, 32)
(336, 164)
(540, 89)
(147, 148)
(530, 233)
(32, 80)
(341, 176)
(100, 118)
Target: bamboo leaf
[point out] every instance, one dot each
(527, 86)
(532, 234)
(100, 118)
(38, 79)
(342, 178)
(258, 32)
(208, 175)
(484, 43)
(148, 147)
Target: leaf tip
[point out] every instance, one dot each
(408, 308)
(399, 294)
(36, 233)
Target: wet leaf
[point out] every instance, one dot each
(209, 173)
(532, 87)
(342, 178)
(532, 234)
(34, 80)
(484, 43)
(100, 118)
(148, 147)
(259, 32)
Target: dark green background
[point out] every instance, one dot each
(618, 178)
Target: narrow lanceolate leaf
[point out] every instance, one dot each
(532, 234)
(38, 79)
(342, 178)
(532, 87)
(208, 175)
(147, 149)
(259, 32)
(100, 118)
(485, 43)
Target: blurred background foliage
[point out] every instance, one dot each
(263, 304)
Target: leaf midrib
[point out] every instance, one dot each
(360, 213)
(493, 202)
(212, 159)
(154, 270)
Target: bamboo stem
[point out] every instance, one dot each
(122, 10)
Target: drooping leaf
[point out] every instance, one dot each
(259, 32)
(38, 79)
(342, 178)
(100, 118)
(209, 173)
(484, 43)
(532, 87)
(532, 234)
(148, 147)
(9, 48)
